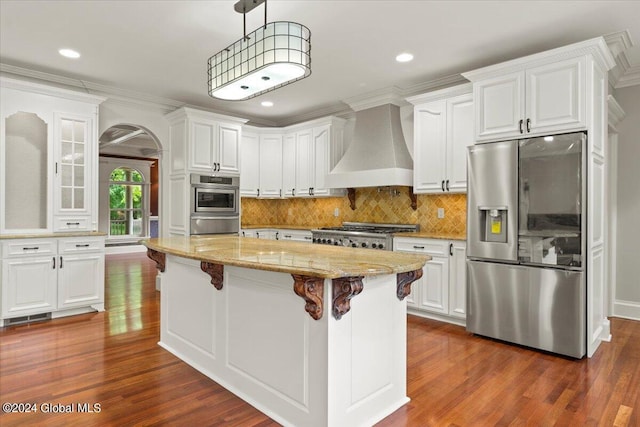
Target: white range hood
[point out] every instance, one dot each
(378, 155)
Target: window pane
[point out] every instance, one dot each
(66, 196)
(78, 157)
(66, 152)
(116, 196)
(78, 131)
(66, 175)
(78, 198)
(66, 130)
(79, 176)
(118, 175)
(135, 176)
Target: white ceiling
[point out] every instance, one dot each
(159, 49)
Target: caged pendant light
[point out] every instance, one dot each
(272, 56)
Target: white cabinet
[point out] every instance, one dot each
(51, 275)
(270, 166)
(295, 235)
(443, 128)
(260, 233)
(307, 153)
(48, 159)
(250, 166)
(212, 141)
(441, 291)
(539, 100)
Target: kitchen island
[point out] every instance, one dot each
(310, 335)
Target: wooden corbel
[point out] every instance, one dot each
(351, 194)
(345, 288)
(404, 281)
(414, 199)
(158, 257)
(216, 271)
(310, 289)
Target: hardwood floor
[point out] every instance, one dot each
(454, 379)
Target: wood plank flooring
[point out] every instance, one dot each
(454, 379)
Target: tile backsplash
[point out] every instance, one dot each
(385, 205)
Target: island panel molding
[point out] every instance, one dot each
(345, 288)
(311, 289)
(216, 271)
(404, 282)
(158, 257)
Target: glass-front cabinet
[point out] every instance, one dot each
(48, 159)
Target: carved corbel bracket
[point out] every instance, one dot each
(414, 199)
(311, 289)
(344, 289)
(216, 271)
(351, 194)
(158, 257)
(404, 281)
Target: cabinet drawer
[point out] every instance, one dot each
(71, 223)
(80, 245)
(28, 247)
(427, 246)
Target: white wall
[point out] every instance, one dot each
(627, 290)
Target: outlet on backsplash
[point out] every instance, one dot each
(371, 206)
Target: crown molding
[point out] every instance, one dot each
(630, 78)
(623, 74)
(336, 109)
(436, 95)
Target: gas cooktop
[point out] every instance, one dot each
(360, 234)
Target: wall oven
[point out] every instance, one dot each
(214, 204)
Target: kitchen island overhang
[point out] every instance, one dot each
(308, 334)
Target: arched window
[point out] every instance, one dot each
(126, 204)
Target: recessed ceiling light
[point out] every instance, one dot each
(266, 104)
(69, 53)
(404, 57)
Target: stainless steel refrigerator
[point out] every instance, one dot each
(526, 225)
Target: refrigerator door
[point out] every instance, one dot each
(543, 308)
(551, 194)
(492, 201)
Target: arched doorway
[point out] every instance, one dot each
(129, 186)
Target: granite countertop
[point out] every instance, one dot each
(432, 235)
(289, 257)
(50, 235)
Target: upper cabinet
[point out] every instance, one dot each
(250, 165)
(209, 142)
(443, 128)
(48, 141)
(538, 100)
(294, 161)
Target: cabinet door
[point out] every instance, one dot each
(499, 107)
(321, 159)
(429, 148)
(270, 166)
(434, 286)
(304, 163)
(73, 157)
(250, 167)
(459, 137)
(458, 280)
(28, 286)
(228, 145)
(80, 280)
(555, 97)
(202, 145)
(289, 165)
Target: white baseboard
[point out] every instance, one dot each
(125, 249)
(626, 309)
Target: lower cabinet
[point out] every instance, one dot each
(51, 275)
(278, 234)
(441, 291)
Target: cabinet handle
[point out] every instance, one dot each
(218, 167)
(277, 234)
(418, 247)
(56, 168)
(258, 192)
(293, 191)
(281, 192)
(34, 248)
(442, 184)
(307, 238)
(54, 263)
(287, 236)
(520, 125)
(243, 234)
(528, 125)
(257, 234)
(448, 185)
(83, 246)
(61, 262)
(73, 223)
(451, 249)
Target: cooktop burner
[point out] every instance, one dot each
(360, 234)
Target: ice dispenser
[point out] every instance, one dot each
(494, 223)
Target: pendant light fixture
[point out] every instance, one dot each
(270, 57)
